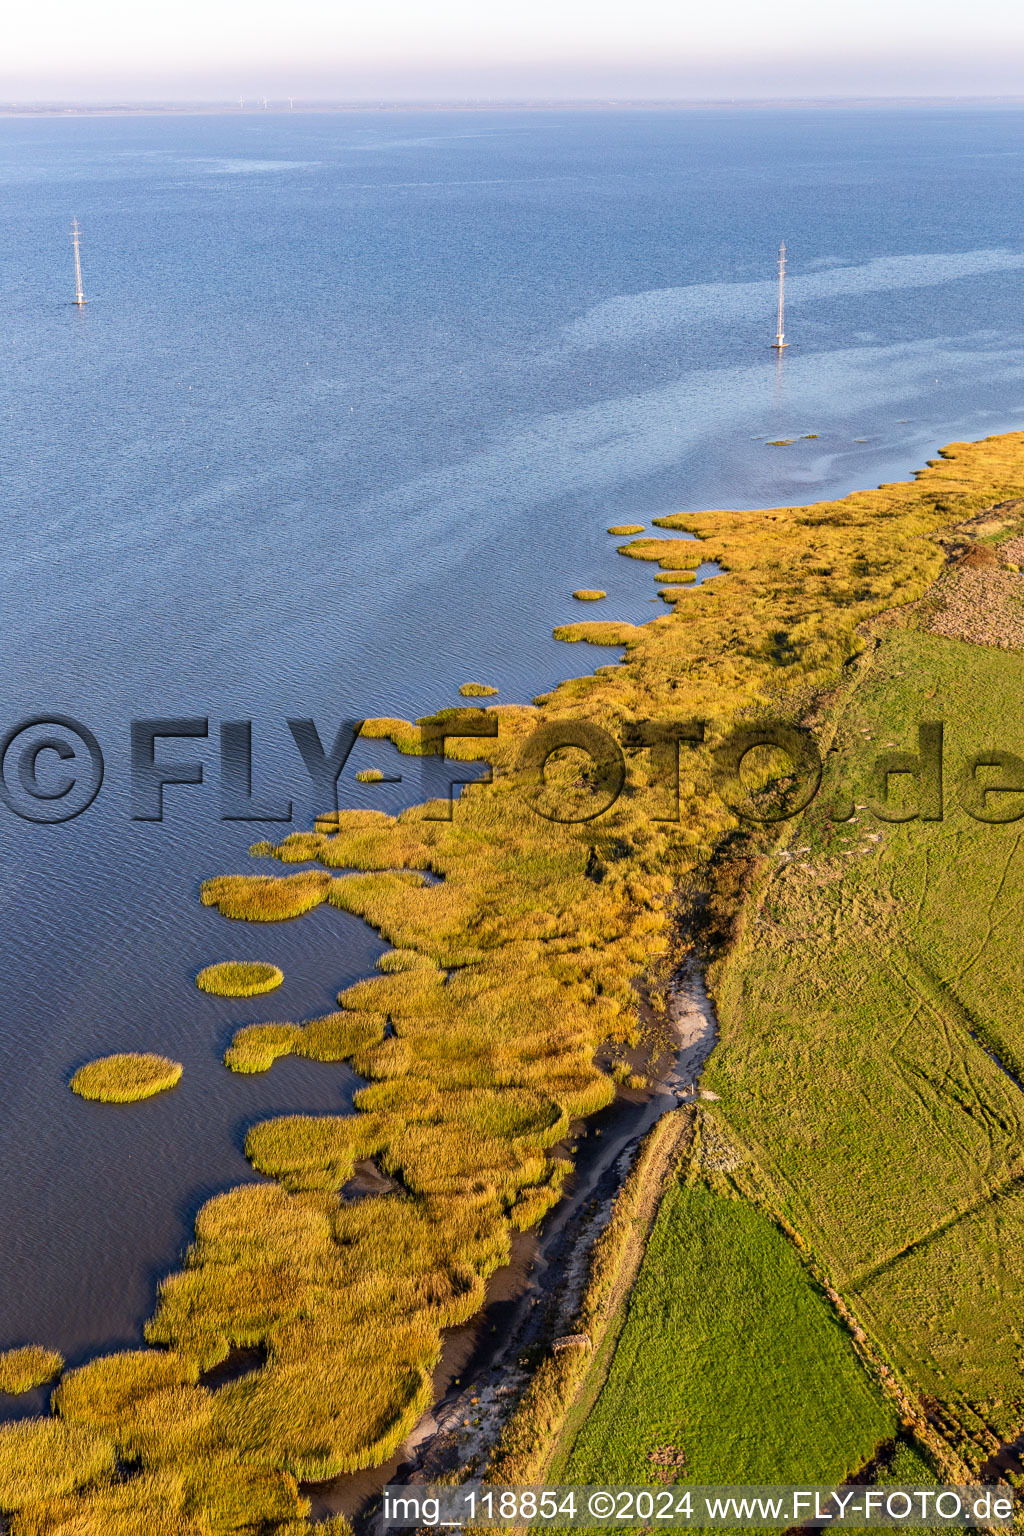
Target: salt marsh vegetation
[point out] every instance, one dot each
(125, 1078)
(534, 934)
(241, 978)
(29, 1366)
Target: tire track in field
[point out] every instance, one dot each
(952, 1011)
(856, 1283)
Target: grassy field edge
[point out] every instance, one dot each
(532, 1437)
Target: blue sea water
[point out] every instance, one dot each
(343, 425)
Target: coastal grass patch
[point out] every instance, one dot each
(126, 1077)
(169, 1503)
(666, 552)
(589, 594)
(308, 1152)
(731, 1359)
(102, 1393)
(404, 735)
(328, 1284)
(369, 776)
(256, 1047)
(534, 1203)
(267, 898)
(239, 978)
(303, 1406)
(623, 529)
(42, 1459)
(477, 690)
(151, 1406)
(405, 960)
(335, 1037)
(597, 632)
(28, 1366)
(153, 1504)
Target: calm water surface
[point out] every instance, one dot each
(353, 403)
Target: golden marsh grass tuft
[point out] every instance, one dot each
(43, 1459)
(239, 978)
(266, 898)
(126, 1078)
(405, 960)
(28, 1367)
(337, 1037)
(597, 632)
(408, 738)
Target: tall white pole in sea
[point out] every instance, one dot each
(80, 297)
(780, 335)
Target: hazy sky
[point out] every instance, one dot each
(90, 49)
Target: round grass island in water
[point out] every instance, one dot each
(589, 594)
(239, 978)
(28, 1367)
(125, 1078)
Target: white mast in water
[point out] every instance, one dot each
(780, 335)
(80, 297)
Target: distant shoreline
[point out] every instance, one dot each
(320, 108)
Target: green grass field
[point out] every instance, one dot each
(731, 1354)
(879, 977)
(871, 1038)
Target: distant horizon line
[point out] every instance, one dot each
(280, 105)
